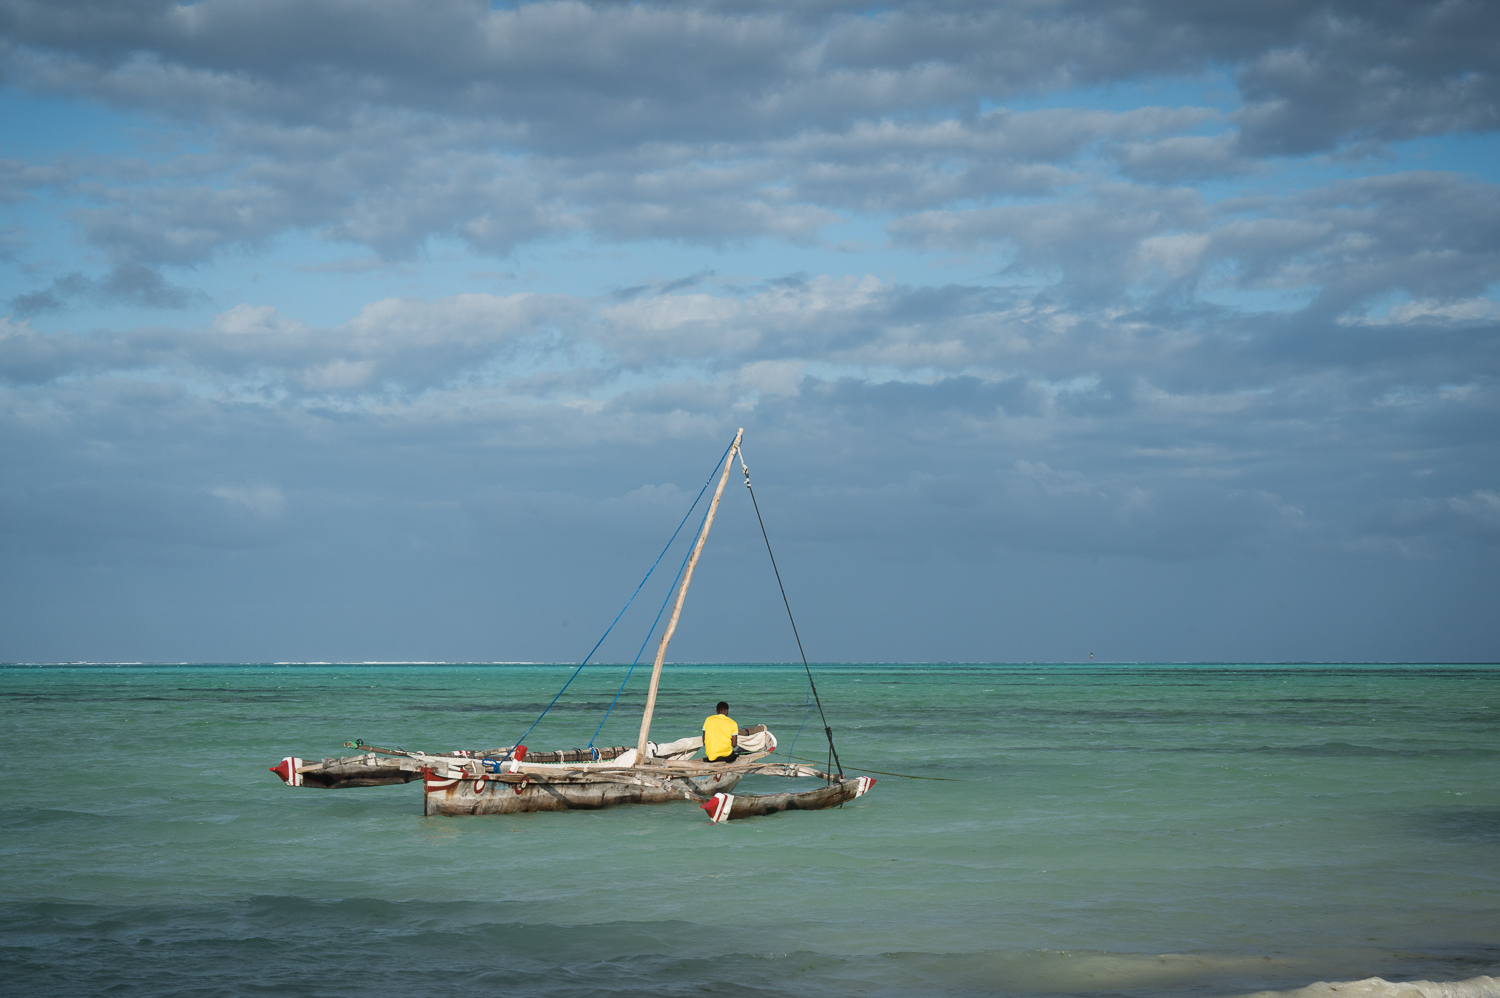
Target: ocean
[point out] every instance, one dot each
(1132, 830)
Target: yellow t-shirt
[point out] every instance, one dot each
(717, 730)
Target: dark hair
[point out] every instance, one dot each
(722, 705)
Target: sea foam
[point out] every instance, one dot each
(1376, 987)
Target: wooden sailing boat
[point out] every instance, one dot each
(509, 780)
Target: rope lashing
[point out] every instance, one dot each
(828, 731)
(612, 623)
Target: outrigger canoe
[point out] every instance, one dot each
(511, 780)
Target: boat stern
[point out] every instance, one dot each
(290, 770)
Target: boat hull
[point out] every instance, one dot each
(368, 770)
(726, 806)
(338, 778)
(470, 795)
(384, 767)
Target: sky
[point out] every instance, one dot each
(372, 331)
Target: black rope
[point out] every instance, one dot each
(832, 752)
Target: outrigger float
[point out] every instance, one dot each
(510, 779)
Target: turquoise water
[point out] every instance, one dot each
(1128, 830)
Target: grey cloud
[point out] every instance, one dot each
(1429, 234)
(1097, 400)
(1019, 356)
(905, 166)
(1013, 510)
(1379, 71)
(819, 318)
(606, 72)
(177, 226)
(49, 299)
(1316, 76)
(13, 239)
(19, 179)
(393, 183)
(708, 124)
(82, 517)
(1057, 510)
(390, 344)
(1094, 246)
(1462, 519)
(387, 345)
(382, 186)
(1182, 158)
(1084, 431)
(489, 205)
(29, 357)
(962, 397)
(663, 288)
(124, 284)
(258, 499)
(1048, 135)
(578, 76)
(1090, 362)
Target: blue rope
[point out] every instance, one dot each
(804, 721)
(660, 610)
(612, 624)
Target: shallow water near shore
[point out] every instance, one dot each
(1122, 830)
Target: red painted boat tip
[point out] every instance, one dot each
(281, 769)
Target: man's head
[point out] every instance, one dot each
(723, 707)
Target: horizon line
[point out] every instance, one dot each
(83, 663)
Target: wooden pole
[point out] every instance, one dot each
(687, 576)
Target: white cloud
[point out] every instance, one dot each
(265, 501)
(1429, 309)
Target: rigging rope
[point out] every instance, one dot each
(904, 776)
(660, 610)
(832, 752)
(806, 714)
(612, 624)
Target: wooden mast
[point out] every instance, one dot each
(687, 576)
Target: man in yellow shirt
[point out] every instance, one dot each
(721, 736)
